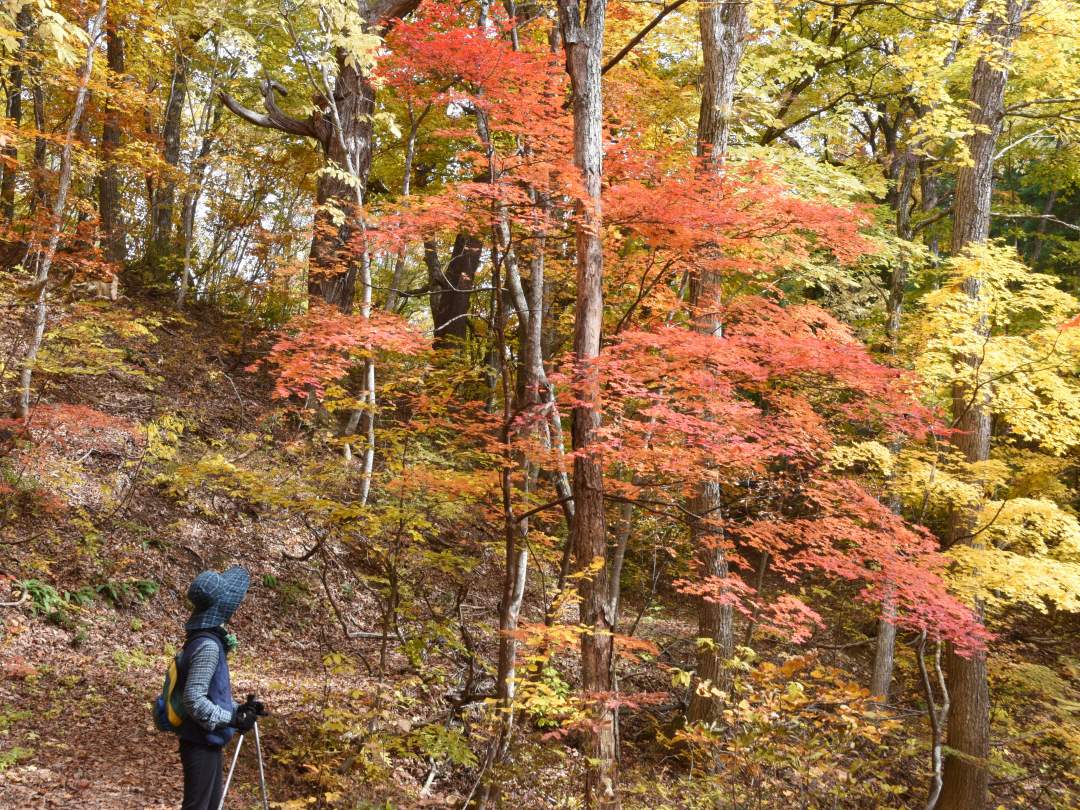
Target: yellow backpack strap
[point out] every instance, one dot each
(174, 719)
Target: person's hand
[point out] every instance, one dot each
(260, 709)
(246, 714)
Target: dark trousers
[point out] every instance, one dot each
(202, 776)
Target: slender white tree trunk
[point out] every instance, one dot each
(95, 28)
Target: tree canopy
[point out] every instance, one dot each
(641, 403)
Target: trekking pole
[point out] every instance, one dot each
(228, 779)
(262, 775)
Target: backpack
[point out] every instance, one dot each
(169, 711)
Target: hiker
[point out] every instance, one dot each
(211, 716)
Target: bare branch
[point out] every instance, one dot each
(640, 35)
(275, 117)
(1043, 217)
(1060, 100)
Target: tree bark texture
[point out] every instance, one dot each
(451, 287)
(884, 651)
(714, 620)
(582, 38)
(966, 778)
(333, 270)
(161, 220)
(724, 27)
(112, 233)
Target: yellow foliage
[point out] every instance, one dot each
(163, 437)
(872, 457)
(934, 488)
(1004, 343)
(1036, 475)
(1001, 579)
(1033, 527)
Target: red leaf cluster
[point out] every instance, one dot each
(320, 347)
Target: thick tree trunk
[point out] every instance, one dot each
(343, 128)
(333, 268)
(884, 651)
(451, 287)
(583, 39)
(112, 233)
(724, 27)
(715, 626)
(966, 778)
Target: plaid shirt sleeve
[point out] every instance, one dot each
(201, 666)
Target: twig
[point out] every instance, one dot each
(19, 601)
(640, 35)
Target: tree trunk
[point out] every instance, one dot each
(724, 27)
(966, 778)
(517, 531)
(935, 714)
(715, 626)
(161, 221)
(1040, 230)
(452, 288)
(13, 109)
(583, 39)
(112, 233)
(94, 28)
(343, 128)
(906, 173)
(333, 269)
(884, 650)
(192, 195)
(39, 195)
(904, 192)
